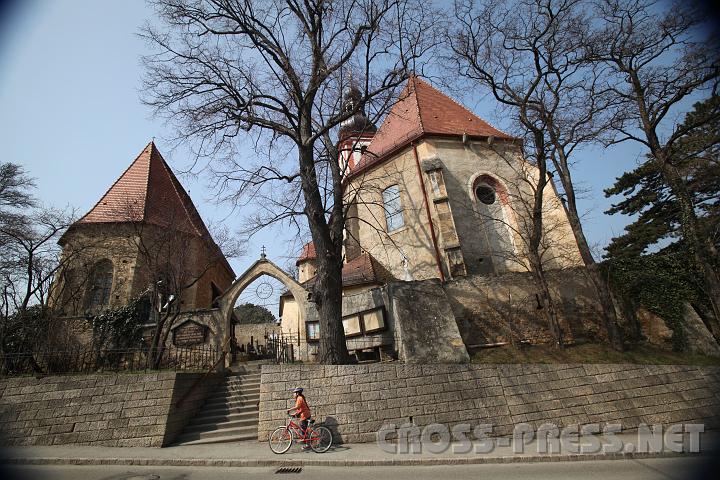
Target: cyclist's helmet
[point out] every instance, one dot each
(298, 390)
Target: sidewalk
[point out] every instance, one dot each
(255, 454)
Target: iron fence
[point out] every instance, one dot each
(107, 360)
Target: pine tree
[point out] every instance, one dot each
(696, 157)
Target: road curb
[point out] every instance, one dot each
(218, 462)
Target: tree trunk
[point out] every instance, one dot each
(609, 316)
(700, 250)
(328, 298)
(546, 302)
(535, 239)
(327, 292)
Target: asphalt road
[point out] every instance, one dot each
(663, 468)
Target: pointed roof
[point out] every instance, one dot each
(423, 110)
(148, 191)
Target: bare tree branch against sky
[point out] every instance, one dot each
(72, 82)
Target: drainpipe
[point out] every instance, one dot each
(427, 210)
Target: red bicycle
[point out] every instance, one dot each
(319, 438)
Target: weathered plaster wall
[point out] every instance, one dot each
(355, 400)
(413, 240)
(426, 326)
(138, 410)
(87, 244)
(461, 164)
(504, 308)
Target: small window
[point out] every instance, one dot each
(393, 208)
(437, 183)
(351, 325)
(485, 193)
(313, 331)
(456, 263)
(373, 321)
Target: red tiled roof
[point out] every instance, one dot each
(308, 253)
(148, 191)
(423, 110)
(359, 271)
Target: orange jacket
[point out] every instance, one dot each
(302, 408)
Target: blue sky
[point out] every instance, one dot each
(70, 113)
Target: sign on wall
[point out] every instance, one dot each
(189, 333)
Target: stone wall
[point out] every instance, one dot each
(103, 409)
(257, 331)
(355, 400)
(504, 308)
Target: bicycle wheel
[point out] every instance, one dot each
(280, 440)
(320, 439)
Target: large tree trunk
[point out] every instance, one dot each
(609, 316)
(328, 298)
(327, 292)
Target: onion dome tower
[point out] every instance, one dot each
(356, 132)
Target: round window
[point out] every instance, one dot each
(485, 193)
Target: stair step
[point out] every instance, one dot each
(238, 397)
(220, 418)
(247, 432)
(239, 385)
(223, 439)
(233, 389)
(211, 427)
(244, 375)
(229, 409)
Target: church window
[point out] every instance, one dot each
(98, 292)
(485, 193)
(313, 331)
(393, 208)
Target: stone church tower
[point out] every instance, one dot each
(145, 229)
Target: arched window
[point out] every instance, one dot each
(100, 285)
(491, 200)
(393, 208)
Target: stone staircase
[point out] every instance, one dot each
(230, 413)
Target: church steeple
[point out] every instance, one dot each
(356, 132)
(359, 123)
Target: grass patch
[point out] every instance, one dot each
(588, 353)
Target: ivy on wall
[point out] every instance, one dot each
(119, 327)
(661, 283)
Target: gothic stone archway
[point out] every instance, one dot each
(262, 267)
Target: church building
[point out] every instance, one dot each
(434, 193)
(143, 232)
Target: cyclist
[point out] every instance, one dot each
(301, 410)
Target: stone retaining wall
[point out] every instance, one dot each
(355, 400)
(103, 409)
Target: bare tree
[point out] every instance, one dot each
(273, 73)
(498, 45)
(172, 259)
(660, 57)
(31, 251)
